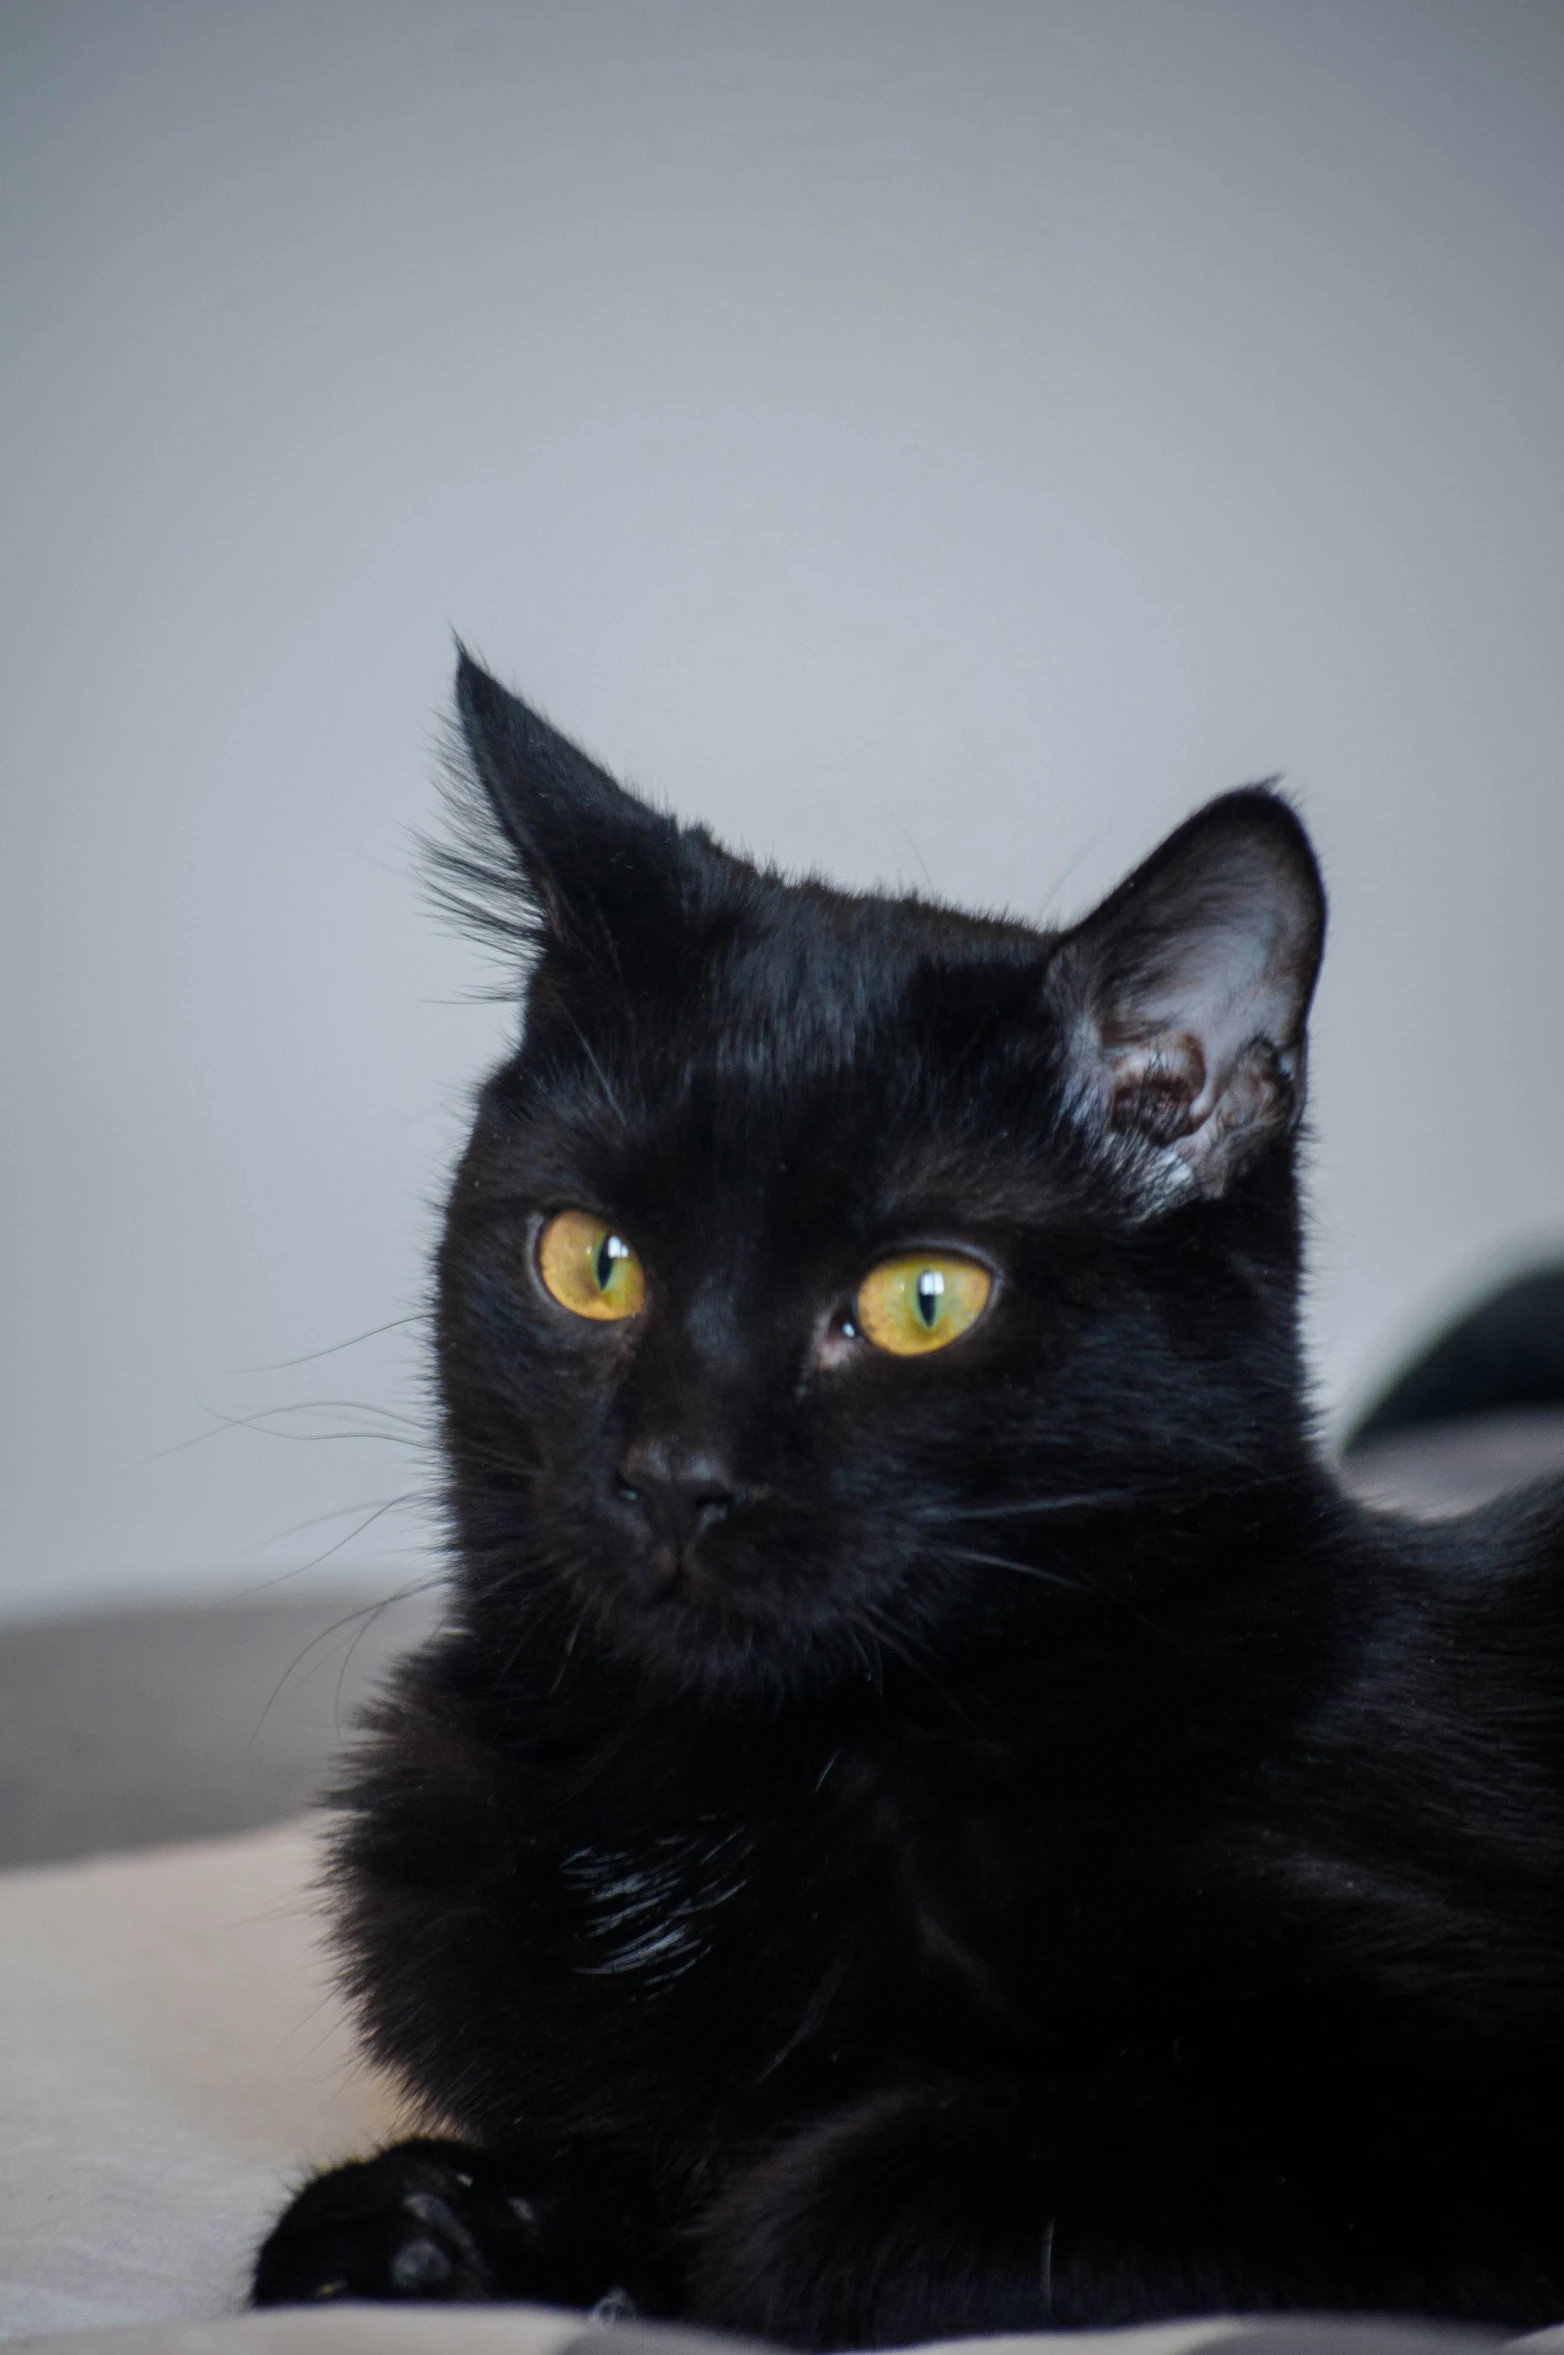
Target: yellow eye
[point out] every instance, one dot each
(922, 1302)
(588, 1268)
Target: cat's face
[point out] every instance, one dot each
(827, 1274)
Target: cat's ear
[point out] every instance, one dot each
(1185, 996)
(592, 859)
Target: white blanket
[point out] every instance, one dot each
(172, 2055)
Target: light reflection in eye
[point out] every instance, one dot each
(931, 1285)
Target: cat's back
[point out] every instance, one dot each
(1413, 1829)
(1465, 1644)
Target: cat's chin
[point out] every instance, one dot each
(701, 1647)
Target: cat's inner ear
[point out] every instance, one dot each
(1185, 998)
(591, 858)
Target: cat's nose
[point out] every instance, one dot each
(681, 1489)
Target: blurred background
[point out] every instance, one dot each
(933, 441)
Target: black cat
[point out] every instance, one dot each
(931, 1812)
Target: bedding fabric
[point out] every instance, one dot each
(173, 2054)
(536, 2330)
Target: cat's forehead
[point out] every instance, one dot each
(813, 977)
(826, 1058)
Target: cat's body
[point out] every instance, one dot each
(903, 1841)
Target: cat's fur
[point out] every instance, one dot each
(1043, 1855)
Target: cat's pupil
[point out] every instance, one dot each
(930, 1285)
(612, 1247)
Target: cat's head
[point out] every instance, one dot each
(833, 1277)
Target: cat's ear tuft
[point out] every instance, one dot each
(1185, 997)
(585, 850)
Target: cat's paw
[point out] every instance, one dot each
(422, 2220)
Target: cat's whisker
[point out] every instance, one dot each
(418, 1586)
(369, 1613)
(265, 1421)
(1076, 1582)
(871, 1653)
(1060, 1578)
(390, 1506)
(374, 1506)
(1084, 1500)
(900, 1646)
(283, 1365)
(367, 1407)
(568, 1654)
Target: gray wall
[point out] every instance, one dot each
(924, 438)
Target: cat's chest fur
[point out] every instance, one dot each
(936, 1893)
